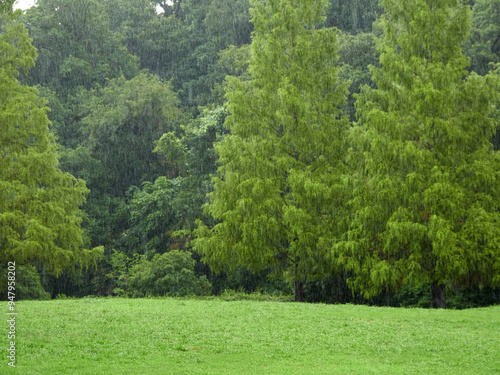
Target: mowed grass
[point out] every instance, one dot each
(182, 336)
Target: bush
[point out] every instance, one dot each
(171, 274)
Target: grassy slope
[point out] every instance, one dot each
(174, 336)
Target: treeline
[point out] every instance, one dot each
(333, 180)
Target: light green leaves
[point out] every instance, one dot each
(39, 204)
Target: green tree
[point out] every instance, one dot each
(174, 204)
(484, 43)
(171, 7)
(195, 158)
(227, 22)
(121, 123)
(76, 45)
(6, 6)
(210, 26)
(39, 204)
(182, 44)
(153, 219)
(233, 61)
(355, 16)
(426, 181)
(272, 196)
(483, 46)
(77, 51)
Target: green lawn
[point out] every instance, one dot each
(176, 336)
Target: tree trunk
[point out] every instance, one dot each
(438, 293)
(299, 286)
(299, 291)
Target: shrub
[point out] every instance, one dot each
(171, 274)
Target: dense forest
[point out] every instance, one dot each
(340, 151)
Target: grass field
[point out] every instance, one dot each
(183, 336)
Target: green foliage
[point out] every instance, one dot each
(356, 54)
(193, 156)
(355, 16)
(156, 40)
(39, 204)
(284, 192)
(484, 44)
(79, 48)
(426, 182)
(153, 216)
(122, 121)
(28, 284)
(243, 280)
(330, 289)
(233, 61)
(170, 274)
(121, 266)
(77, 51)
(182, 44)
(6, 6)
(272, 193)
(473, 297)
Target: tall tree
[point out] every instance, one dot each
(272, 195)
(426, 190)
(39, 204)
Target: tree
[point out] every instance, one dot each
(182, 43)
(77, 52)
(355, 16)
(121, 123)
(426, 181)
(272, 198)
(233, 61)
(153, 219)
(6, 6)
(484, 43)
(483, 46)
(228, 23)
(39, 204)
(76, 45)
(195, 159)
